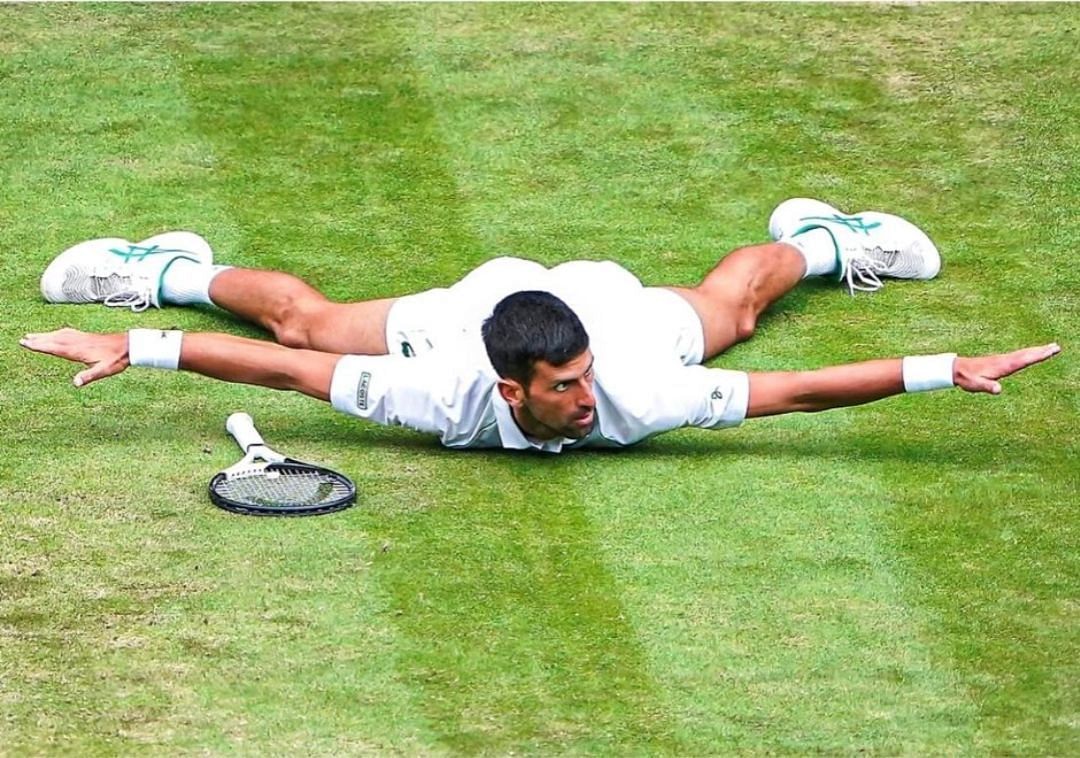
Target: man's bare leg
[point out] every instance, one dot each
(300, 316)
(732, 296)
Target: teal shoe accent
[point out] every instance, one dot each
(854, 223)
(136, 253)
(836, 245)
(161, 278)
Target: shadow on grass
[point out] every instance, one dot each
(695, 445)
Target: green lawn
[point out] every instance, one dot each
(896, 579)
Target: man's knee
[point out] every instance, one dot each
(295, 320)
(745, 324)
(731, 308)
(727, 317)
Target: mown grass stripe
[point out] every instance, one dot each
(317, 108)
(704, 594)
(519, 638)
(513, 641)
(992, 541)
(778, 625)
(668, 552)
(95, 148)
(134, 615)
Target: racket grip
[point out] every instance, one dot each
(241, 426)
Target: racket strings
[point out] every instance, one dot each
(283, 487)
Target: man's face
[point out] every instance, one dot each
(558, 401)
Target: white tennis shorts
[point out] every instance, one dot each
(611, 302)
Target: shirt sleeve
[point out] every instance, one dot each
(650, 400)
(715, 398)
(421, 393)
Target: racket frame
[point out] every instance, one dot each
(259, 458)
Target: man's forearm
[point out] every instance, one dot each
(776, 392)
(220, 356)
(266, 364)
(772, 393)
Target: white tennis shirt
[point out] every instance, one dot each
(641, 384)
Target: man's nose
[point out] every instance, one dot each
(586, 396)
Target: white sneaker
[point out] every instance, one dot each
(788, 217)
(116, 272)
(869, 245)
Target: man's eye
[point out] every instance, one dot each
(561, 387)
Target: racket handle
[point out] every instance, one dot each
(241, 426)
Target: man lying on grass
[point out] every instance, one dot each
(516, 355)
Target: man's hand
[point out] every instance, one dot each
(772, 393)
(103, 354)
(218, 356)
(981, 374)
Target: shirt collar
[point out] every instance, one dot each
(510, 433)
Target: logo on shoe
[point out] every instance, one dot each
(138, 253)
(854, 223)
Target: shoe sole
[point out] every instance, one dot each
(927, 248)
(57, 271)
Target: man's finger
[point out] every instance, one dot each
(97, 371)
(44, 342)
(978, 383)
(1032, 355)
(31, 341)
(69, 344)
(1008, 364)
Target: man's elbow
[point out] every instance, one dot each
(309, 374)
(779, 392)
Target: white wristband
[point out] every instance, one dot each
(928, 372)
(154, 348)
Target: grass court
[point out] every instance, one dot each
(894, 579)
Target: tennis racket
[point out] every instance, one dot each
(266, 483)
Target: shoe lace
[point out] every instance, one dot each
(863, 274)
(122, 292)
(138, 302)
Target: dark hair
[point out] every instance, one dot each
(532, 326)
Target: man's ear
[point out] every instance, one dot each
(512, 392)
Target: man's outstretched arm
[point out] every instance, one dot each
(384, 389)
(773, 393)
(220, 356)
